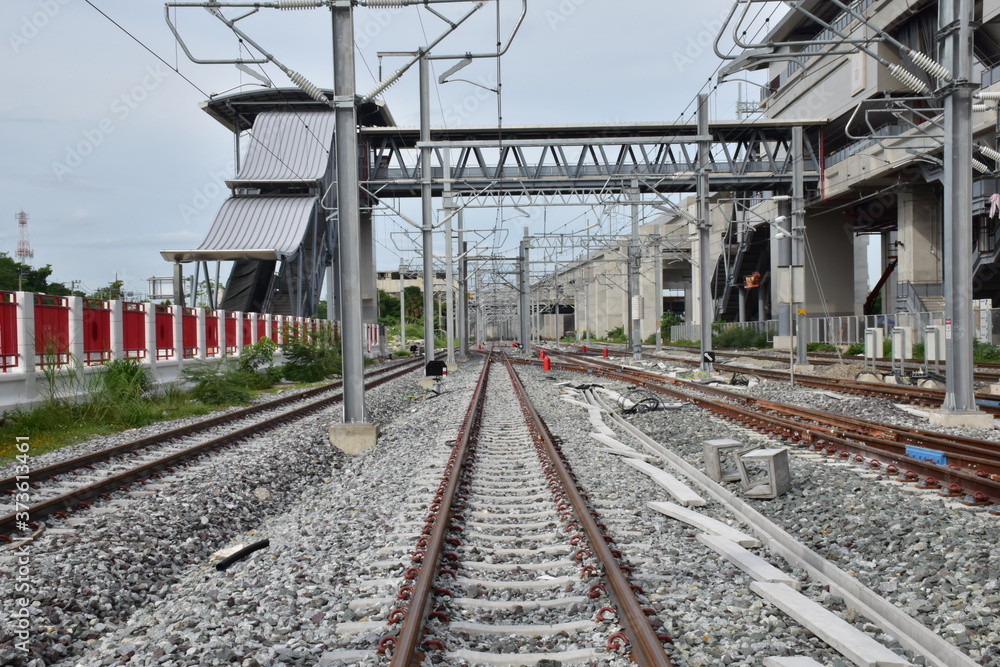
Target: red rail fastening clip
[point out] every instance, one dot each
(602, 614)
(433, 645)
(596, 591)
(397, 615)
(618, 642)
(386, 646)
(952, 491)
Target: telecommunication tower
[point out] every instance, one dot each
(24, 250)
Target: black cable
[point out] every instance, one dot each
(139, 42)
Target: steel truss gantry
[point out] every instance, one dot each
(584, 161)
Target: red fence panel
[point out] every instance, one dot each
(134, 330)
(164, 332)
(8, 331)
(247, 330)
(211, 333)
(189, 333)
(96, 332)
(51, 330)
(274, 329)
(231, 333)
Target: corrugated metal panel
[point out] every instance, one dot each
(288, 146)
(253, 228)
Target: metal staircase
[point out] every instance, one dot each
(746, 249)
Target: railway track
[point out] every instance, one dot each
(913, 395)
(957, 466)
(508, 527)
(984, 371)
(62, 487)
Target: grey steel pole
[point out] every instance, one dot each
(635, 297)
(784, 259)
(798, 238)
(704, 240)
(658, 289)
(449, 260)
(463, 293)
(348, 211)
(956, 17)
(522, 285)
(427, 219)
(402, 306)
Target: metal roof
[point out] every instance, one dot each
(253, 228)
(288, 146)
(239, 110)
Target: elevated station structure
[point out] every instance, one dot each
(883, 164)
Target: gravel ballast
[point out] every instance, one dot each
(133, 584)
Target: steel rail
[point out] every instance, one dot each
(914, 394)
(983, 486)
(80, 496)
(977, 454)
(8, 484)
(406, 645)
(646, 646)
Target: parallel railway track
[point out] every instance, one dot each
(73, 483)
(971, 466)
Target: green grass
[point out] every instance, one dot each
(52, 426)
(121, 395)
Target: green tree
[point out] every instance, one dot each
(31, 279)
(388, 308)
(113, 290)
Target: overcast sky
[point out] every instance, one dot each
(107, 150)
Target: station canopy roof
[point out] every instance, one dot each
(262, 228)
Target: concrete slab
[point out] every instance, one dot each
(574, 657)
(841, 636)
(521, 629)
(705, 523)
(681, 492)
(970, 419)
(612, 443)
(749, 562)
(791, 661)
(354, 438)
(508, 605)
(537, 584)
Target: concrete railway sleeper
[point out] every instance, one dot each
(509, 526)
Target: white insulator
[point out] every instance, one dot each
(932, 67)
(988, 94)
(311, 89)
(378, 4)
(385, 83)
(990, 153)
(298, 4)
(909, 80)
(980, 167)
(979, 108)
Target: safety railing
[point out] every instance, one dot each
(8, 331)
(51, 330)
